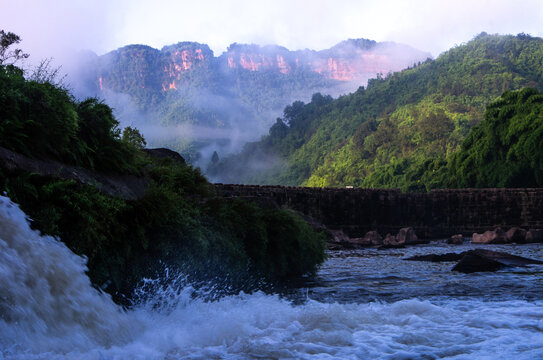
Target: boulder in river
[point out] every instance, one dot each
(407, 236)
(487, 260)
(496, 236)
(515, 235)
(457, 239)
(477, 260)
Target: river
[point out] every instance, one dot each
(364, 304)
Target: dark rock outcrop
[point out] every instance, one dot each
(128, 187)
(163, 153)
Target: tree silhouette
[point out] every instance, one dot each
(10, 57)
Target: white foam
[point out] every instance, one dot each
(50, 311)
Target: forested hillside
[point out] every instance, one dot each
(195, 99)
(399, 131)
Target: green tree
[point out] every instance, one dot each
(7, 56)
(133, 137)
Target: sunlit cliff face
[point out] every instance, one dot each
(348, 65)
(353, 61)
(179, 62)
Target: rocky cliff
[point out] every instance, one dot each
(349, 61)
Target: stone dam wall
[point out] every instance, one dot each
(436, 214)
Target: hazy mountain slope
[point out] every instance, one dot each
(398, 130)
(239, 92)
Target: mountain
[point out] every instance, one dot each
(399, 131)
(222, 102)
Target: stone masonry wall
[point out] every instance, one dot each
(439, 213)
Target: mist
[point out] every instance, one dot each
(60, 28)
(75, 33)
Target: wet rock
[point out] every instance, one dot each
(473, 262)
(456, 239)
(341, 241)
(496, 236)
(534, 236)
(487, 260)
(515, 235)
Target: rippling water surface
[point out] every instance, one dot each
(383, 275)
(365, 304)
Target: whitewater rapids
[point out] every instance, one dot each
(48, 310)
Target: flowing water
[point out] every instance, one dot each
(365, 304)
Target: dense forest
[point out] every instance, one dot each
(178, 222)
(417, 129)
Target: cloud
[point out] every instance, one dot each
(57, 28)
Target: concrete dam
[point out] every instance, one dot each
(435, 214)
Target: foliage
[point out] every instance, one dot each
(7, 56)
(178, 222)
(506, 149)
(397, 132)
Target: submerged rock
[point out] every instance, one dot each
(487, 260)
(474, 262)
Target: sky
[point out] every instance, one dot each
(58, 28)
